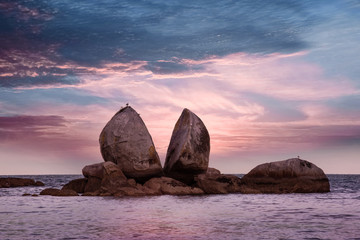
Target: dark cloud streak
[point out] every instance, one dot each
(92, 33)
(25, 121)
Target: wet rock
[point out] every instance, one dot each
(93, 170)
(93, 184)
(26, 194)
(165, 185)
(290, 176)
(126, 141)
(215, 183)
(18, 182)
(129, 191)
(113, 178)
(189, 149)
(91, 194)
(132, 182)
(39, 184)
(58, 192)
(212, 172)
(78, 185)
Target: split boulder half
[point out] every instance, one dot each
(126, 142)
(189, 149)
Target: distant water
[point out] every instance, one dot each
(334, 215)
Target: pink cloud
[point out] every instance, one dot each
(215, 92)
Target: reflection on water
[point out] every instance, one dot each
(334, 215)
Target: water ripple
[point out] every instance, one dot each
(334, 215)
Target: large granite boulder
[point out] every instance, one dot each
(290, 176)
(189, 149)
(126, 141)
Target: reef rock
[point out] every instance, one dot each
(126, 141)
(290, 176)
(58, 192)
(189, 149)
(19, 182)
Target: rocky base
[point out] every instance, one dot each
(18, 182)
(109, 180)
(290, 176)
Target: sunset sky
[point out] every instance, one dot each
(271, 80)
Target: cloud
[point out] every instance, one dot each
(39, 37)
(47, 134)
(243, 67)
(21, 122)
(248, 102)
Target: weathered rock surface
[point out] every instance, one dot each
(93, 184)
(165, 185)
(77, 185)
(93, 170)
(19, 182)
(126, 141)
(215, 183)
(58, 192)
(189, 149)
(289, 176)
(212, 172)
(113, 178)
(105, 179)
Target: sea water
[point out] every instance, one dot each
(334, 215)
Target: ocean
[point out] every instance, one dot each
(334, 215)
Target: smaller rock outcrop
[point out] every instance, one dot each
(105, 179)
(93, 170)
(19, 182)
(58, 193)
(290, 176)
(126, 142)
(165, 185)
(189, 149)
(77, 185)
(213, 182)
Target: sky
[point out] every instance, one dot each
(271, 80)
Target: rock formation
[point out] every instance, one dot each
(77, 185)
(105, 179)
(290, 176)
(213, 182)
(165, 185)
(126, 141)
(132, 166)
(58, 192)
(189, 148)
(18, 182)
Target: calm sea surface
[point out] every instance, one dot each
(334, 215)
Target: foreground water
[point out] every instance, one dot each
(334, 215)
